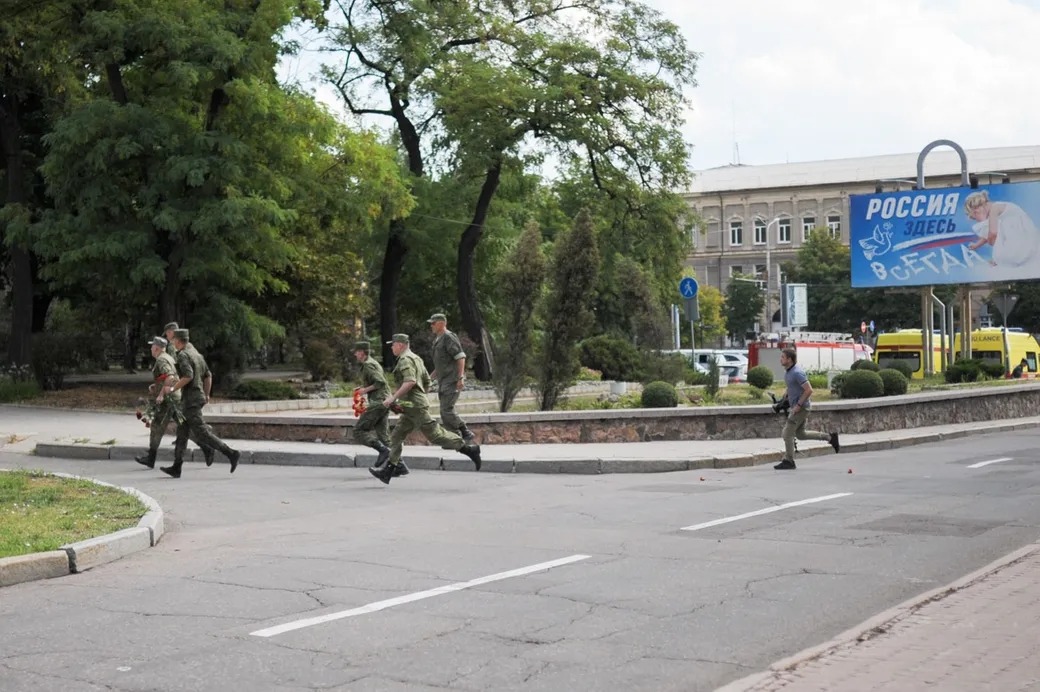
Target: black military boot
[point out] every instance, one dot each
(384, 454)
(174, 471)
(400, 469)
(147, 459)
(233, 455)
(209, 453)
(473, 452)
(466, 433)
(383, 473)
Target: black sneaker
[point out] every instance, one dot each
(834, 442)
(785, 465)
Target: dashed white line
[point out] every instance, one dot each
(991, 461)
(767, 510)
(418, 596)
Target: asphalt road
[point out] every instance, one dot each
(452, 569)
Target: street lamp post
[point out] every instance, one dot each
(769, 272)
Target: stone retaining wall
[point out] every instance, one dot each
(701, 423)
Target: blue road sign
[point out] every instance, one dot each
(872, 325)
(688, 287)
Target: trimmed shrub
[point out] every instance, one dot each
(903, 367)
(667, 367)
(264, 390)
(862, 384)
(962, 371)
(760, 376)
(320, 360)
(837, 383)
(659, 395)
(865, 365)
(616, 358)
(55, 355)
(992, 368)
(894, 381)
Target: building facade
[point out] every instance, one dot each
(751, 219)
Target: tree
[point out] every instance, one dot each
(713, 318)
(597, 82)
(567, 316)
(744, 305)
(824, 265)
(521, 277)
(190, 186)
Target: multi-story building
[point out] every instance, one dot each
(750, 219)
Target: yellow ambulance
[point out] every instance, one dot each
(988, 343)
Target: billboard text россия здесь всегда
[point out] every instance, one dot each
(955, 235)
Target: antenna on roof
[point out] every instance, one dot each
(733, 124)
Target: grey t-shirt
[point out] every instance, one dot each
(795, 378)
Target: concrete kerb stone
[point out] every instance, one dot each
(642, 465)
(73, 451)
(83, 555)
(878, 623)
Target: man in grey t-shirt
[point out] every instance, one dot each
(799, 394)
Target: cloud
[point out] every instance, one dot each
(815, 79)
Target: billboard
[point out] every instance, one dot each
(953, 235)
(794, 305)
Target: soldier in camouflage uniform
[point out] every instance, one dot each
(413, 381)
(168, 333)
(449, 372)
(195, 381)
(164, 369)
(373, 426)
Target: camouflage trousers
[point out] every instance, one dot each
(195, 427)
(373, 426)
(418, 418)
(165, 412)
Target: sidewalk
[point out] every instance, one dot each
(980, 633)
(91, 435)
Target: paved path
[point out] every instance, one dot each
(981, 633)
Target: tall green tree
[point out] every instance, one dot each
(824, 265)
(521, 277)
(188, 183)
(713, 318)
(744, 305)
(567, 311)
(597, 82)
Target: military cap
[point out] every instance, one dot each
(362, 346)
(169, 326)
(158, 341)
(437, 317)
(180, 334)
(399, 339)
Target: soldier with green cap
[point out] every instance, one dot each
(449, 372)
(195, 382)
(168, 333)
(373, 426)
(413, 381)
(165, 369)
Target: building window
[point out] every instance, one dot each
(760, 271)
(735, 270)
(808, 224)
(736, 232)
(783, 231)
(834, 225)
(760, 232)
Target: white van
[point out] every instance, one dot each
(729, 359)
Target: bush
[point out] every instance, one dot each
(894, 381)
(865, 365)
(994, 369)
(902, 366)
(862, 384)
(667, 367)
(264, 390)
(616, 358)
(320, 359)
(11, 390)
(711, 387)
(818, 380)
(55, 355)
(963, 371)
(589, 375)
(760, 376)
(838, 383)
(659, 395)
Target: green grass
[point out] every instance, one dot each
(17, 391)
(39, 512)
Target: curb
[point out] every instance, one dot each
(83, 555)
(877, 625)
(588, 466)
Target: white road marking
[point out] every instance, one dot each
(767, 510)
(987, 463)
(401, 600)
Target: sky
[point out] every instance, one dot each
(806, 80)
